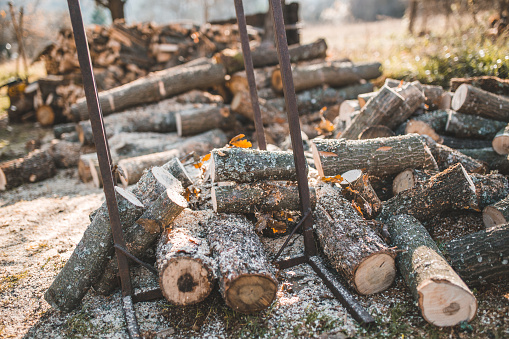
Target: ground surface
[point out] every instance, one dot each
(41, 223)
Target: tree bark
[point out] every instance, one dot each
(65, 154)
(247, 280)
(443, 298)
(489, 188)
(249, 165)
(377, 131)
(365, 197)
(471, 126)
(184, 259)
(91, 254)
(262, 196)
(448, 190)
(58, 130)
(487, 83)
(464, 143)
(373, 156)
(154, 87)
(241, 104)
(497, 213)
(471, 100)
(494, 161)
(332, 73)
(199, 120)
(36, 166)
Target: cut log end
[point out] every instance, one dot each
(492, 217)
(178, 122)
(500, 144)
(445, 304)
(316, 159)
(277, 81)
(350, 177)
(403, 181)
(3, 181)
(251, 293)
(45, 115)
(375, 274)
(459, 97)
(185, 281)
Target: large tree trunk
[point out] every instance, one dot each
(184, 259)
(471, 100)
(247, 280)
(351, 244)
(443, 298)
(203, 119)
(91, 254)
(481, 257)
(374, 156)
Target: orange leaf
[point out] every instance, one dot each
(326, 125)
(357, 208)
(336, 179)
(206, 157)
(238, 137)
(384, 148)
(242, 144)
(198, 165)
(327, 154)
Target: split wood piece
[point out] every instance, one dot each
(446, 156)
(374, 156)
(500, 142)
(494, 160)
(448, 190)
(352, 246)
(198, 97)
(249, 165)
(238, 81)
(175, 168)
(65, 154)
(84, 166)
(488, 83)
(154, 87)
(262, 56)
(465, 143)
(184, 259)
(489, 188)
(472, 126)
(347, 107)
(133, 168)
(364, 196)
(332, 73)
(153, 183)
(496, 214)
(91, 254)
(471, 100)
(58, 130)
(142, 234)
(365, 97)
(443, 298)
(377, 131)
(433, 96)
(481, 257)
(199, 120)
(390, 108)
(247, 280)
(422, 128)
(446, 101)
(45, 115)
(261, 196)
(410, 178)
(36, 166)
(241, 104)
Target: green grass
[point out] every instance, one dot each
(79, 324)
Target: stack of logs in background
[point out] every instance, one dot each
(382, 164)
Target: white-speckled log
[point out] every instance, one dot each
(481, 257)
(184, 260)
(260, 196)
(448, 190)
(91, 254)
(472, 126)
(351, 244)
(443, 298)
(487, 155)
(475, 101)
(241, 104)
(199, 120)
(248, 165)
(65, 154)
(373, 156)
(175, 168)
(247, 280)
(36, 166)
(364, 196)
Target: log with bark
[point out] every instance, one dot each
(203, 119)
(351, 244)
(500, 142)
(410, 178)
(332, 73)
(238, 81)
(494, 160)
(241, 104)
(488, 83)
(497, 213)
(481, 257)
(58, 130)
(471, 126)
(422, 128)
(471, 100)
(91, 254)
(261, 196)
(464, 143)
(362, 193)
(247, 280)
(377, 131)
(443, 298)
(248, 165)
(84, 172)
(65, 154)
(448, 190)
(154, 87)
(373, 156)
(36, 166)
(184, 259)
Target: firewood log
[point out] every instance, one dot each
(377, 131)
(65, 154)
(490, 157)
(84, 172)
(184, 260)
(247, 280)
(241, 104)
(91, 254)
(248, 165)
(374, 156)
(203, 119)
(262, 196)
(347, 107)
(363, 98)
(443, 298)
(362, 193)
(175, 168)
(497, 213)
(422, 128)
(351, 244)
(472, 126)
(500, 142)
(154, 87)
(464, 143)
(332, 73)
(433, 96)
(488, 83)
(36, 166)
(238, 81)
(436, 120)
(198, 97)
(60, 129)
(410, 178)
(471, 100)
(448, 190)
(45, 115)
(481, 257)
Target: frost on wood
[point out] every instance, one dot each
(443, 298)
(246, 278)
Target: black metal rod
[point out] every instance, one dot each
(148, 295)
(136, 260)
(299, 225)
(248, 64)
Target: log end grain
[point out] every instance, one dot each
(403, 181)
(251, 293)
(500, 142)
(492, 217)
(277, 81)
(459, 97)
(422, 128)
(375, 274)
(45, 115)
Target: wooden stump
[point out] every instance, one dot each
(472, 126)
(203, 119)
(374, 156)
(481, 257)
(471, 100)
(443, 298)
(246, 279)
(184, 259)
(91, 254)
(36, 166)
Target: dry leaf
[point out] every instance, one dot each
(357, 208)
(384, 148)
(336, 179)
(327, 154)
(326, 125)
(242, 144)
(202, 160)
(238, 137)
